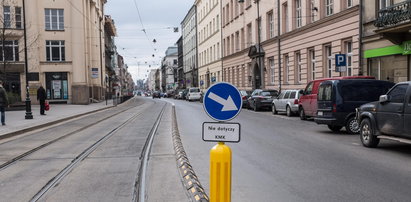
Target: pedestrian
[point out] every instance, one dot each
(41, 97)
(4, 102)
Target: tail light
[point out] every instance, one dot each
(244, 97)
(296, 101)
(334, 108)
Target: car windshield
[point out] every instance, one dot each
(194, 90)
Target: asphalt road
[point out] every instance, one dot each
(109, 173)
(283, 158)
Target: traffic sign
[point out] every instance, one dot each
(221, 132)
(340, 62)
(222, 101)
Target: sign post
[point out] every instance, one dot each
(222, 102)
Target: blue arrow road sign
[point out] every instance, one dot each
(222, 101)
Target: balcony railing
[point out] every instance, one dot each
(394, 15)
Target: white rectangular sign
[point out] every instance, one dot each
(221, 132)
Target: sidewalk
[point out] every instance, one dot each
(16, 122)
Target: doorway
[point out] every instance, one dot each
(57, 85)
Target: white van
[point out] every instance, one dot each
(193, 94)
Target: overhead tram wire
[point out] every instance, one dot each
(142, 25)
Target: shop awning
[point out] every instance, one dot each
(403, 49)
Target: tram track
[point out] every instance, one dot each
(48, 143)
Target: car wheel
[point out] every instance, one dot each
(352, 126)
(334, 128)
(302, 114)
(274, 109)
(368, 138)
(289, 113)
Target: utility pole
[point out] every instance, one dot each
(29, 114)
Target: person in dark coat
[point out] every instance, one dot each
(4, 102)
(41, 97)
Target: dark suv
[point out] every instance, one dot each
(338, 99)
(389, 118)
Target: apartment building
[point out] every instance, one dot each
(189, 29)
(209, 42)
(286, 43)
(65, 45)
(169, 67)
(386, 39)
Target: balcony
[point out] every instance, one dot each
(394, 15)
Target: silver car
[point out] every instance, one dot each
(287, 102)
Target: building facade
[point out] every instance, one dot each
(189, 32)
(169, 67)
(209, 42)
(285, 44)
(387, 40)
(66, 49)
(180, 69)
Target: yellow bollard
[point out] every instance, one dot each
(220, 173)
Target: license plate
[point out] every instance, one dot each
(320, 113)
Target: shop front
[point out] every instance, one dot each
(57, 86)
(391, 63)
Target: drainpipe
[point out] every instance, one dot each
(101, 57)
(360, 59)
(279, 44)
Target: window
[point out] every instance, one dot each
(312, 63)
(349, 3)
(298, 14)
(287, 68)
(55, 51)
(329, 7)
(249, 35)
(18, 17)
(287, 95)
(398, 93)
(10, 52)
(328, 59)
(270, 24)
(272, 70)
(218, 23)
(313, 10)
(325, 92)
(293, 94)
(54, 19)
(309, 88)
(285, 18)
(7, 16)
(348, 49)
(237, 41)
(385, 3)
(363, 91)
(298, 66)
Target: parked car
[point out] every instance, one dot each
(245, 95)
(184, 94)
(287, 102)
(178, 94)
(261, 99)
(388, 118)
(193, 94)
(338, 99)
(307, 106)
(156, 94)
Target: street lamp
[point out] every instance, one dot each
(29, 115)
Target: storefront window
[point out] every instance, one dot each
(57, 85)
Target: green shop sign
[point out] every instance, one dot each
(403, 49)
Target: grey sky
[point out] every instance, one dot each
(157, 16)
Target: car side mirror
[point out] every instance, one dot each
(301, 92)
(384, 99)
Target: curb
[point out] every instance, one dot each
(19, 132)
(189, 179)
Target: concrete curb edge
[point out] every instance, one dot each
(189, 179)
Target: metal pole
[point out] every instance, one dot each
(360, 60)
(29, 115)
(279, 44)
